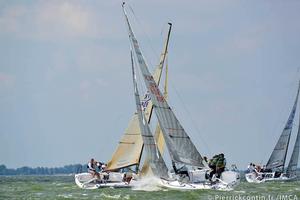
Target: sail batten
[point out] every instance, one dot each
(181, 149)
(278, 156)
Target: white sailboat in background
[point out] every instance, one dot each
(130, 149)
(274, 170)
(181, 149)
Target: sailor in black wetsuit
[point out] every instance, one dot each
(182, 171)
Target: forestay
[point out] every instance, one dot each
(181, 148)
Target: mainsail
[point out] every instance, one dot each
(157, 164)
(292, 167)
(130, 147)
(181, 148)
(278, 156)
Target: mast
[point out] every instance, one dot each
(278, 156)
(167, 65)
(181, 148)
(166, 80)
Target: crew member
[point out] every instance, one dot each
(91, 168)
(220, 165)
(212, 165)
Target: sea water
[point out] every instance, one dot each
(64, 187)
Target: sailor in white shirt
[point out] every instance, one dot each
(91, 168)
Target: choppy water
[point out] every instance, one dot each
(63, 187)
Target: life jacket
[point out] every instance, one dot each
(220, 162)
(214, 160)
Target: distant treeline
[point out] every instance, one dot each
(67, 169)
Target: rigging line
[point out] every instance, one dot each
(190, 116)
(143, 29)
(156, 54)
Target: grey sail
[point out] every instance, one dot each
(292, 167)
(180, 147)
(156, 162)
(278, 156)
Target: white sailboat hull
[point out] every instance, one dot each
(227, 181)
(177, 185)
(115, 180)
(266, 177)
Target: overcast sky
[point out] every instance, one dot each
(66, 89)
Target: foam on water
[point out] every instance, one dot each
(240, 191)
(66, 196)
(116, 196)
(149, 183)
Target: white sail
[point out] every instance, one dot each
(278, 156)
(157, 163)
(181, 148)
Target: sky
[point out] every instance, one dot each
(66, 91)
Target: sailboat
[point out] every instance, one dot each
(130, 149)
(274, 169)
(182, 151)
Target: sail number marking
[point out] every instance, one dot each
(154, 89)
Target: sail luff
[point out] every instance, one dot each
(292, 166)
(181, 148)
(278, 156)
(157, 164)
